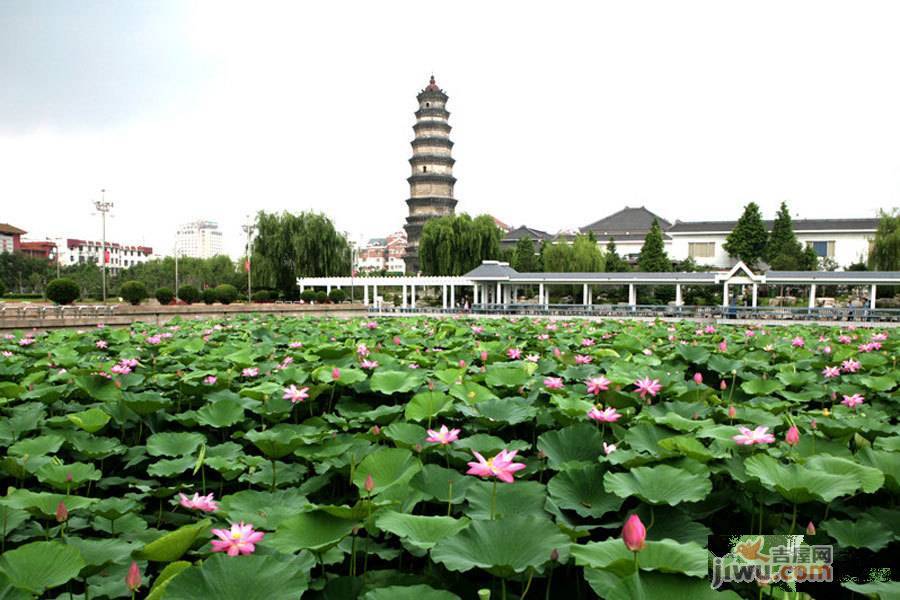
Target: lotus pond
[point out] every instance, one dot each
(274, 458)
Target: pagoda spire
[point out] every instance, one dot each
(431, 181)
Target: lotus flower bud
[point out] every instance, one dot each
(370, 483)
(133, 578)
(792, 437)
(634, 533)
(810, 529)
(554, 555)
(731, 412)
(62, 513)
(484, 356)
(462, 364)
(813, 424)
(335, 373)
(376, 430)
(723, 385)
(698, 378)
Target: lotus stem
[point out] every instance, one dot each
(549, 583)
(273, 475)
(494, 500)
(528, 583)
(637, 565)
(449, 497)
(793, 519)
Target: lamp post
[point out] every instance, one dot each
(103, 206)
(56, 249)
(176, 267)
(248, 229)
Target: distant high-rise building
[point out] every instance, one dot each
(199, 239)
(432, 180)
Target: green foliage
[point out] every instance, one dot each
(200, 273)
(783, 251)
(134, 292)
(189, 294)
(290, 245)
(308, 295)
(209, 296)
(809, 260)
(614, 262)
(165, 295)
(63, 291)
(525, 258)
(885, 252)
(456, 244)
(586, 255)
(557, 258)
(653, 256)
(226, 293)
(22, 273)
(747, 241)
(321, 297)
(337, 296)
(263, 296)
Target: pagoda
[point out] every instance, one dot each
(431, 181)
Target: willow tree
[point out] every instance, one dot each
(290, 245)
(885, 252)
(456, 244)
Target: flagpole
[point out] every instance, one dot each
(103, 207)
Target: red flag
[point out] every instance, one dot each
(106, 256)
(247, 266)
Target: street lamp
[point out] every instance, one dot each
(248, 228)
(103, 206)
(176, 267)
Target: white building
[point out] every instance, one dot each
(118, 256)
(199, 239)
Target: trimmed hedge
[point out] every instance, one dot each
(134, 292)
(226, 293)
(337, 296)
(209, 296)
(165, 296)
(63, 291)
(308, 295)
(188, 294)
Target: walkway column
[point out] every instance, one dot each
(412, 296)
(302, 288)
(872, 296)
(444, 296)
(725, 295)
(365, 294)
(452, 295)
(754, 300)
(403, 301)
(328, 289)
(584, 294)
(499, 298)
(678, 300)
(541, 294)
(632, 295)
(812, 295)
(375, 295)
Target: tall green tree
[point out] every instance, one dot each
(783, 251)
(653, 256)
(586, 255)
(525, 257)
(614, 262)
(885, 252)
(290, 245)
(558, 258)
(456, 244)
(747, 241)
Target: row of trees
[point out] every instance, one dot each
(752, 243)
(456, 244)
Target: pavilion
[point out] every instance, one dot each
(496, 284)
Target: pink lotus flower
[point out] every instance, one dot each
(749, 437)
(371, 325)
(731, 412)
(413, 366)
(634, 533)
(362, 350)
(608, 448)
(826, 350)
(62, 512)
(240, 539)
(647, 352)
(396, 340)
(443, 436)
(335, 373)
(210, 380)
(6, 353)
(587, 342)
(543, 336)
(845, 339)
(607, 415)
(850, 366)
(120, 369)
(553, 383)
(514, 353)
(133, 578)
(295, 345)
(879, 337)
(26, 341)
(723, 385)
(831, 372)
(853, 401)
(698, 378)
(369, 485)
(723, 346)
(709, 329)
(582, 359)
(153, 340)
(647, 386)
(556, 352)
(476, 329)
(101, 344)
(750, 333)
(595, 385)
(295, 395)
(533, 358)
(792, 437)
(810, 529)
(500, 466)
(483, 356)
(369, 364)
(198, 502)
(250, 372)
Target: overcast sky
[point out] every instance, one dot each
(562, 112)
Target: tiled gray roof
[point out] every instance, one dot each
(875, 276)
(526, 232)
(491, 270)
(627, 220)
(699, 276)
(800, 225)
